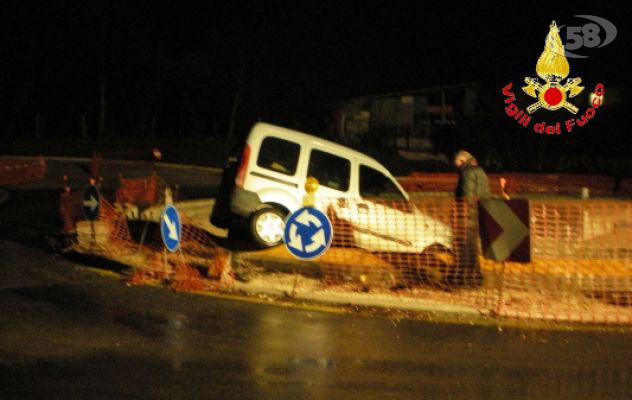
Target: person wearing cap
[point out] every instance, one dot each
(473, 181)
(473, 184)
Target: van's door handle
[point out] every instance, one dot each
(362, 206)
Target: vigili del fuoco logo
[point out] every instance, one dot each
(554, 93)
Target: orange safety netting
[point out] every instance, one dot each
(418, 243)
(141, 191)
(197, 264)
(580, 269)
(526, 183)
(136, 183)
(427, 249)
(19, 172)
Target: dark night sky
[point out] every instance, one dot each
(184, 61)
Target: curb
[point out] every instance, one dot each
(360, 299)
(83, 159)
(313, 271)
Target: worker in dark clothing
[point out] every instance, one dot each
(473, 180)
(472, 185)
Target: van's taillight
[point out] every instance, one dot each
(243, 167)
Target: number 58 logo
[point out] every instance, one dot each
(595, 34)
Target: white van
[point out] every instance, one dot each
(267, 183)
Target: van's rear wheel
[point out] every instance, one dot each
(267, 225)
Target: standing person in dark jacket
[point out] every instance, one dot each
(473, 180)
(473, 184)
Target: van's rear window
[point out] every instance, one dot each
(279, 155)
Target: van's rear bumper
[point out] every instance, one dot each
(244, 202)
(240, 204)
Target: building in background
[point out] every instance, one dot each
(405, 120)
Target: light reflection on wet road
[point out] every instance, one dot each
(67, 333)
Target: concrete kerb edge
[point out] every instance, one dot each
(341, 298)
(357, 299)
(83, 159)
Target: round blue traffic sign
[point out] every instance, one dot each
(171, 228)
(91, 203)
(307, 233)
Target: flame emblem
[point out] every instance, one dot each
(553, 68)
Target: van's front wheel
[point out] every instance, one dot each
(267, 225)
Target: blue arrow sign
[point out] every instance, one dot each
(91, 202)
(171, 228)
(307, 233)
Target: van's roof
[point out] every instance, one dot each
(263, 128)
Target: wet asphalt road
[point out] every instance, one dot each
(69, 333)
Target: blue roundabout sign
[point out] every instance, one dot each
(308, 233)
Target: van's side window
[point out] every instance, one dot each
(374, 184)
(330, 170)
(279, 155)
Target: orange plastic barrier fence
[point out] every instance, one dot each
(580, 269)
(411, 243)
(199, 263)
(19, 172)
(429, 249)
(141, 191)
(525, 183)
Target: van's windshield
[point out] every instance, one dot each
(374, 184)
